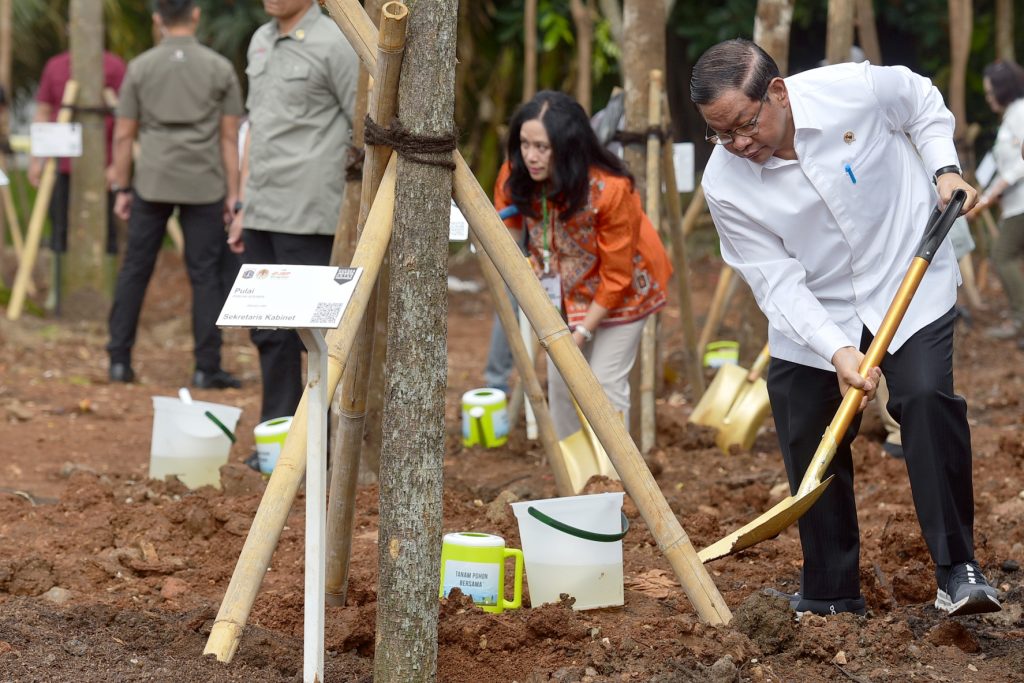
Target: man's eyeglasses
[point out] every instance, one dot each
(748, 129)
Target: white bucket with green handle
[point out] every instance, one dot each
(574, 545)
(191, 440)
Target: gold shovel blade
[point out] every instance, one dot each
(768, 525)
(715, 403)
(748, 413)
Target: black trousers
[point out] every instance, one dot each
(206, 259)
(59, 204)
(281, 350)
(936, 445)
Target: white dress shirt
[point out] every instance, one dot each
(1009, 164)
(825, 240)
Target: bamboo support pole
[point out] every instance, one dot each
(649, 337)
(494, 237)
(346, 453)
(277, 500)
(695, 371)
(527, 373)
(30, 250)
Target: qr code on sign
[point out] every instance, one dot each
(326, 313)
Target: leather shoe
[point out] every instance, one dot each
(215, 380)
(121, 372)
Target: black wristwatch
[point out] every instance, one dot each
(944, 170)
(238, 206)
(117, 189)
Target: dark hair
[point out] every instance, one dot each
(1007, 79)
(574, 149)
(736, 64)
(173, 12)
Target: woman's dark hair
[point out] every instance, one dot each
(736, 64)
(574, 149)
(173, 12)
(1007, 79)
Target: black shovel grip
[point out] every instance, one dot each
(939, 225)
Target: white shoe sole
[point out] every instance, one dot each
(977, 602)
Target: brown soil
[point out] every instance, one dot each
(108, 576)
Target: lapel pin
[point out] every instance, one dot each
(849, 137)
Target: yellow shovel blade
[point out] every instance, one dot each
(768, 525)
(748, 413)
(604, 463)
(580, 460)
(715, 403)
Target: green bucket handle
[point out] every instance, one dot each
(579, 533)
(227, 432)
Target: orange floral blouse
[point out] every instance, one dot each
(608, 252)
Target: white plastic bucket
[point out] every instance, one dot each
(269, 437)
(187, 443)
(559, 561)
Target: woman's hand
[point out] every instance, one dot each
(847, 362)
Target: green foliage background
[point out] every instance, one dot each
(912, 32)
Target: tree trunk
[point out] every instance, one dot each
(1004, 30)
(643, 49)
(839, 39)
(413, 428)
(772, 28)
(582, 16)
(867, 31)
(5, 83)
(87, 280)
(960, 27)
(530, 50)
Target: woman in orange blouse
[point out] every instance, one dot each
(589, 241)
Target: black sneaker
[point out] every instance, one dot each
(893, 449)
(802, 605)
(215, 380)
(121, 372)
(967, 592)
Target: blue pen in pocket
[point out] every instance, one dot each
(849, 172)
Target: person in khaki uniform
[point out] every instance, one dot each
(182, 102)
(302, 79)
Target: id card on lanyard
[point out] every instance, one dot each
(549, 279)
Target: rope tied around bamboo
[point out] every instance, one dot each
(632, 137)
(411, 146)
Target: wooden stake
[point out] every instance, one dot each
(35, 225)
(649, 338)
(345, 455)
(694, 368)
(693, 210)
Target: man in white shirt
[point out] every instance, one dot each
(820, 187)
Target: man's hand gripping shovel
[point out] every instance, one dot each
(790, 509)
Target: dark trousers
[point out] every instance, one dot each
(59, 204)
(936, 445)
(206, 254)
(281, 350)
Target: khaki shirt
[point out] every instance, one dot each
(301, 94)
(178, 92)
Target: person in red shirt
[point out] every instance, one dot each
(589, 241)
(56, 74)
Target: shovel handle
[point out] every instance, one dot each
(759, 365)
(936, 230)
